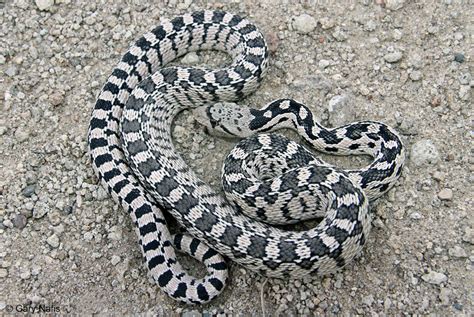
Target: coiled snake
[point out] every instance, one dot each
(267, 176)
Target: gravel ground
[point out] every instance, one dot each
(65, 244)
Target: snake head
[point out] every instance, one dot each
(224, 119)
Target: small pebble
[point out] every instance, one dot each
(304, 23)
(393, 57)
(416, 215)
(368, 300)
(457, 252)
(3, 273)
(19, 221)
(464, 93)
(191, 313)
(11, 71)
(22, 134)
(445, 194)
(434, 278)
(115, 260)
(25, 275)
(394, 4)
(468, 235)
(327, 23)
(44, 4)
(438, 176)
(424, 152)
(415, 75)
(444, 294)
(115, 233)
(53, 241)
(56, 98)
(458, 306)
(459, 57)
(29, 190)
(324, 63)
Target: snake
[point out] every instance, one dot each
(269, 179)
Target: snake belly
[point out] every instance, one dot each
(134, 157)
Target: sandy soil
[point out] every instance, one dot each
(66, 245)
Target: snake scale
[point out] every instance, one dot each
(269, 178)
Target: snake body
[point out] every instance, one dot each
(133, 155)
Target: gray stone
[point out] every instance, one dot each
(44, 4)
(464, 93)
(22, 134)
(368, 300)
(3, 273)
(19, 221)
(29, 190)
(115, 260)
(394, 4)
(459, 57)
(393, 57)
(434, 278)
(445, 194)
(457, 252)
(424, 152)
(468, 235)
(53, 241)
(304, 23)
(115, 233)
(415, 75)
(327, 23)
(11, 71)
(416, 215)
(56, 98)
(339, 34)
(191, 313)
(324, 63)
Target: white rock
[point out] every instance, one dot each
(368, 300)
(457, 252)
(115, 260)
(22, 134)
(415, 75)
(393, 57)
(53, 241)
(327, 23)
(416, 215)
(394, 4)
(115, 233)
(468, 235)
(434, 278)
(304, 23)
(465, 92)
(323, 63)
(445, 194)
(3, 273)
(44, 4)
(423, 152)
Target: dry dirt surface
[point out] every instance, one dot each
(66, 246)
